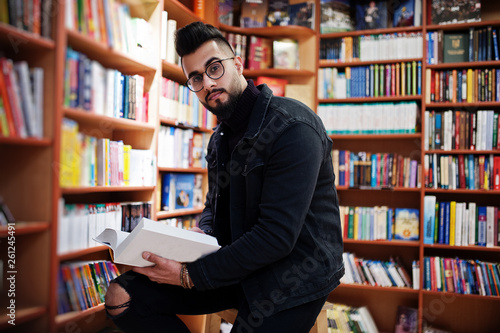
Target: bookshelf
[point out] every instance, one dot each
(32, 176)
(445, 310)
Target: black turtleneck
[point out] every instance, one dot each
(238, 122)
(235, 126)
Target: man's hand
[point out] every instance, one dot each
(164, 271)
(196, 229)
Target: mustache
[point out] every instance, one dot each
(213, 91)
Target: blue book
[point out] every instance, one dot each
(406, 224)
(471, 44)
(472, 183)
(481, 225)
(431, 48)
(404, 13)
(447, 224)
(459, 86)
(437, 131)
(165, 191)
(429, 218)
(427, 273)
(126, 93)
(374, 169)
(372, 81)
(389, 223)
(353, 157)
(494, 36)
(184, 186)
(442, 213)
(342, 168)
(419, 78)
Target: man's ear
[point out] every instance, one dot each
(239, 64)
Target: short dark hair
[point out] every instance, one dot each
(189, 38)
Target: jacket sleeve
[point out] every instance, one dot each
(206, 220)
(288, 187)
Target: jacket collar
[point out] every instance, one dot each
(257, 116)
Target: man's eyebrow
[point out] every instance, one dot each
(208, 62)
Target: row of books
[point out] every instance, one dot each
(370, 118)
(394, 46)
(379, 273)
(375, 170)
(459, 129)
(262, 53)
(83, 285)
(21, 99)
(167, 46)
(460, 223)
(462, 171)
(379, 223)
(79, 224)
(478, 44)
(344, 318)
(105, 91)
(179, 103)
(35, 16)
(462, 276)
(181, 148)
(184, 222)
(455, 11)
(378, 80)
(345, 15)
(181, 191)
(90, 161)
(254, 14)
(110, 22)
(466, 85)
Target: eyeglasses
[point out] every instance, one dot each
(214, 71)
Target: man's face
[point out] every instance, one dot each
(219, 96)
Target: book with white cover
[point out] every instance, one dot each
(158, 238)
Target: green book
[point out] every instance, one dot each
(455, 47)
(350, 229)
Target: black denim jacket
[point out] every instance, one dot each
(286, 245)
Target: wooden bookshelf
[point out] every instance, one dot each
(29, 182)
(448, 311)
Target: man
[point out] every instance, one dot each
(271, 203)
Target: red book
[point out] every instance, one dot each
(9, 77)
(6, 105)
(259, 53)
(448, 275)
(496, 173)
(461, 171)
(495, 228)
(275, 84)
(472, 131)
(457, 129)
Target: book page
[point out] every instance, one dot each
(112, 238)
(163, 240)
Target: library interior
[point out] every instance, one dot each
(100, 136)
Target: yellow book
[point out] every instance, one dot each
(453, 208)
(126, 164)
(403, 79)
(470, 85)
(356, 223)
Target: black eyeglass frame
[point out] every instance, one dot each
(213, 78)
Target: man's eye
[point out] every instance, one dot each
(196, 79)
(214, 68)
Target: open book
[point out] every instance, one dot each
(158, 238)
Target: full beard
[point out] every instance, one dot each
(223, 111)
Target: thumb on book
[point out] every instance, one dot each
(148, 256)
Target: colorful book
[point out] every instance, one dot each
(406, 224)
